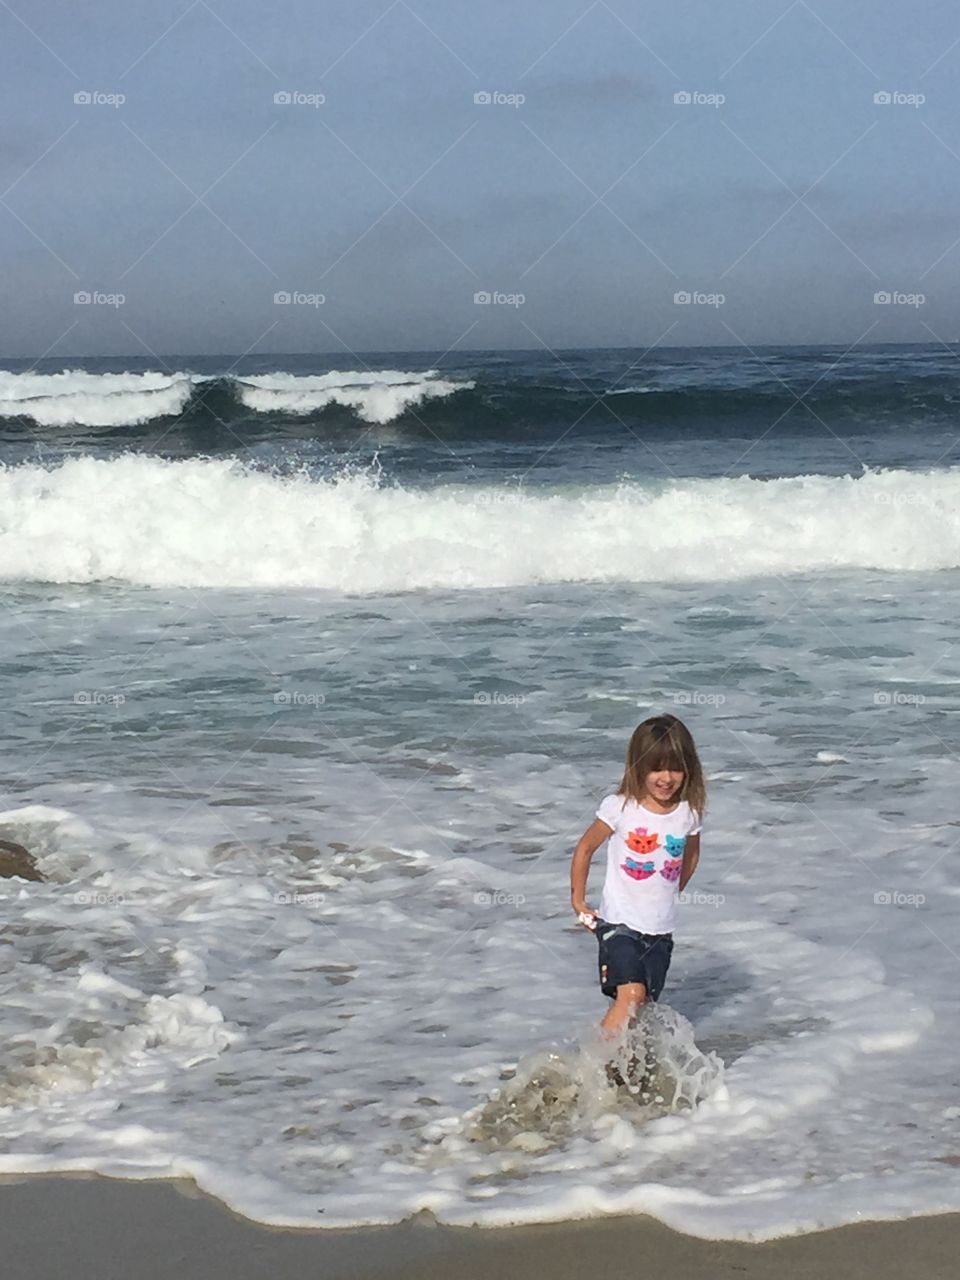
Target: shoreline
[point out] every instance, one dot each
(82, 1225)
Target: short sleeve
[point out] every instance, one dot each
(610, 810)
(694, 823)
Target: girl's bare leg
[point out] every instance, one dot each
(630, 996)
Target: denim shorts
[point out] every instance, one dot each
(629, 956)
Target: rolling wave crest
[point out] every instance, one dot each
(218, 523)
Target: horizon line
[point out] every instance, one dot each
(479, 351)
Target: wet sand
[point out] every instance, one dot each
(89, 1228)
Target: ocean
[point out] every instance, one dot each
(314, 669)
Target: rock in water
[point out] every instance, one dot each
(15, 861)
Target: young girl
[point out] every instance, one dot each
(652, 825)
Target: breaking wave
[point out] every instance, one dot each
(486, 399)
(75, 397)
(220, 523)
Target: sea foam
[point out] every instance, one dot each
(75, 397)
(219, 523)
(376, 397)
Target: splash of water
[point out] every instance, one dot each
(653, 1068)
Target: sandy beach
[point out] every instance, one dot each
(80, 1227)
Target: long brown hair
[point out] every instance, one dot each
(664, 742)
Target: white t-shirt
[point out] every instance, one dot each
(644, 859)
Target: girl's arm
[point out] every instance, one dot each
(587, 846)
(691, 856)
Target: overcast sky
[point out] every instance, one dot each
(597, 198)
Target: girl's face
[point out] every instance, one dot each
(663, 784)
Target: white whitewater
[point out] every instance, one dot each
(74, 397)
(220, 523)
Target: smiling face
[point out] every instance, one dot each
(662, 767)
(663, 784)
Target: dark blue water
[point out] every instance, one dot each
(589, 416)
